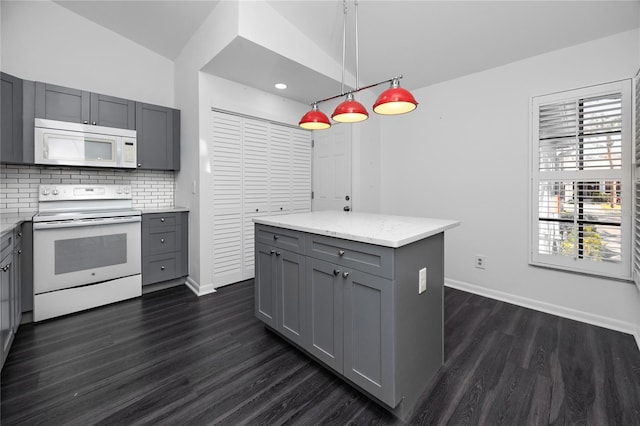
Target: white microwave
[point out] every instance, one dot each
(62, 143)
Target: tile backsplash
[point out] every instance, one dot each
(19, 185)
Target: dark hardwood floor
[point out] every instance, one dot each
(172, 358)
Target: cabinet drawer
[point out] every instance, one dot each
(162, 241)
(279, 237)
(363, 257)
(163, 219)
(159, 268)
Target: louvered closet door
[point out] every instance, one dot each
(301, 171)
(280, 170)
(226, 226)
(255, 179)
(259, 168)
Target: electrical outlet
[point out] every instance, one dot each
(479, 261)
(422, 281)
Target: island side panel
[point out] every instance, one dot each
(419, 319)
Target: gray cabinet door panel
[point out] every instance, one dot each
(157, 137)
(324, 312)
(62, 103)
(11, 119)
(112, 112)
(265, 284)
(368, 334)
(290, 275)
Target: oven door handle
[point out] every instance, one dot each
(56, 224)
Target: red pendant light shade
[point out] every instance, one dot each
(395, 100)
(350, 111)
(315, 120)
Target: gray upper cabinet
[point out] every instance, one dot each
(79, 106)
(11, 119)
(62, 103)
(112, 112)
(158, 142)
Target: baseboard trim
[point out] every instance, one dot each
(549, 308)
(199, 290)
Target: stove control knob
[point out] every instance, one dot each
(45, 191)
(126, 189)
(55, 192)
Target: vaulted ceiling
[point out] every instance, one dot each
(426, 41)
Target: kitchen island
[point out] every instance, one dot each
(361, 293)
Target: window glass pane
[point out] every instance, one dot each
(79, 254)
(98, 150)
(580, 219)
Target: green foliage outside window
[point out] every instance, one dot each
(591, 243)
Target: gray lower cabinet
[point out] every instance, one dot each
(358, 308)
(158, 137)
(79, 106)
(165, 250)
(350, 325)
(11, 119)
(10, 292)
(279, 285)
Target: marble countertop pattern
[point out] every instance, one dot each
(379, 229)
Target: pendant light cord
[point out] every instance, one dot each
(344, 38)
(357, 55)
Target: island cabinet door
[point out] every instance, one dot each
(324, 312)
(368, 334)
(265, 284)
(290, 295)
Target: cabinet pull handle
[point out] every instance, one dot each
(139, 164)
(93, 122)
(273, 251)
(162, 268)
(19, 234)
(5, 268)
(162, 219)
(86, 122)
(336, 271)
(20, 251)
(161, 240)
(340, 252)
(345, 274)
(257, 210)
(278, 253)
(275, 237)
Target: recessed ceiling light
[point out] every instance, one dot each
(281, 86)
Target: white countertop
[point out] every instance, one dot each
(379, 229)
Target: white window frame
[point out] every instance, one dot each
(623, 269)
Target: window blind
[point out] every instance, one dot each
(581, 178)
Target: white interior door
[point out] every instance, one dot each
(332, 168)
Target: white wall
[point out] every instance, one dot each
(197, 92)
(43, 41)
(464, 154)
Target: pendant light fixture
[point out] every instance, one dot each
(315, 120)
(395, 100)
